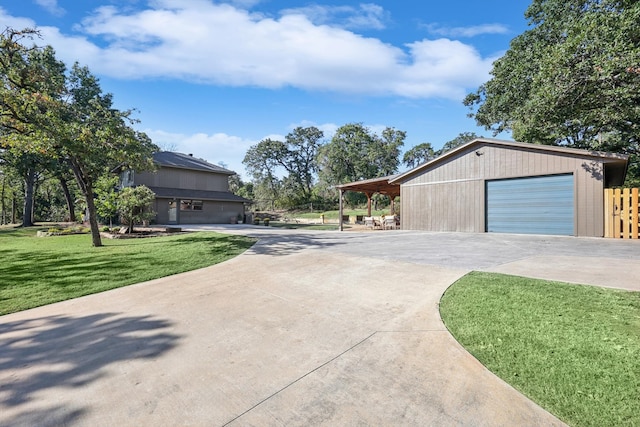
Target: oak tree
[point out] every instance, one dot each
(573, 78)
(65, 116)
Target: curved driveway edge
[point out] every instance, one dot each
(302, 329)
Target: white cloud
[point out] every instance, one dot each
(204, 42)
(367, 16)
(51, 6)
(14, 22)
(217, 148)
(473, 31)
(441, 68)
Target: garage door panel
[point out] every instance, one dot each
(532, 205)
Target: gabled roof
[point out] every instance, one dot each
(172, 159)
(617, 162)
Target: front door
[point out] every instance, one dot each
(173, 212)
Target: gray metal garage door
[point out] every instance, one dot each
(534, 205)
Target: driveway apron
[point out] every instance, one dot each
(302, 329)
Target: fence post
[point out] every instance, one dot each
(608, 212)
(626, 213)
(635, 222)
(617, 208)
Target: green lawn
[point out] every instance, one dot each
(40, 270)
(575, 350)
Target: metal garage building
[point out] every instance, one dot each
(511, 187)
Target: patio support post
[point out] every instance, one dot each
(368, 203)
(392, 198)
(340, 211)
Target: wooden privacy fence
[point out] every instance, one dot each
(621, 213)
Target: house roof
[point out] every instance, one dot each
(375, 185)
(187, 161)
(179, 193)
(617, 163)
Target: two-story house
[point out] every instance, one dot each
(188, 190)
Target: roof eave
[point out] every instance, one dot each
(514, 144)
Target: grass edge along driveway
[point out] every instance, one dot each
(36, 271)
(573, 349)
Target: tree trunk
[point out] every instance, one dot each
(68, 198)
(96, 239)
(86, 186)
(4, 206)
(29, 183)
(36, 188)
(14, 209)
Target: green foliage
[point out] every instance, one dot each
(418, 155)
(261, 164)
(27, 166)
(459, 140)
(572, 79)
(10, 193)
(74, 229)
(134, 205)
(235, 183)
(302, 171)
(424, 152)
(64, 116)
(106, 196)
(39, 271)
(49, 201)
(572, 349)
(299, 159)
(296, 156)
(356, 153)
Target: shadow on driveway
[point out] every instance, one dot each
(69, 352)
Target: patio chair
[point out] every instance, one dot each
(390, 222)
(369, 222)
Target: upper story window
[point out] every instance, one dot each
(126, 178)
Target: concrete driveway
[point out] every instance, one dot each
(305, 328)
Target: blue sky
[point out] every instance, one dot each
(212, 78)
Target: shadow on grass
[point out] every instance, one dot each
(123, 261)
(70, 352)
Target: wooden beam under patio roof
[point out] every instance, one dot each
(371, 186)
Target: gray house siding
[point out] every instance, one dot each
(184, 179)
(449, 194)
(198, 190)
(213, 212)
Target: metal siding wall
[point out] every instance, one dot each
(497, 162)
(590, 200)
(540, 205)
(443, 207)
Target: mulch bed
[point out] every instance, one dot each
(140, 232)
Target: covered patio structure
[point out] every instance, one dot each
(370, 187)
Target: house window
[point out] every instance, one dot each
(126, 178)
(190, 205)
